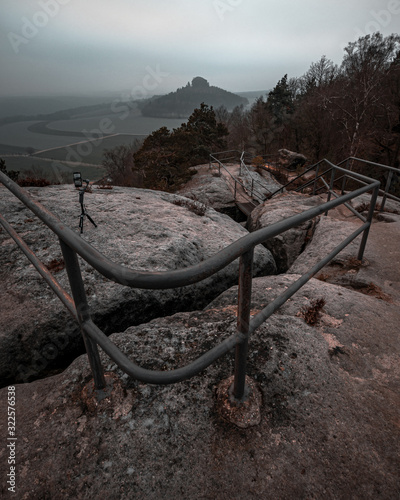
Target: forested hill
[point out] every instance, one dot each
(180, 104)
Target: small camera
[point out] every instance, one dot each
(77, 179)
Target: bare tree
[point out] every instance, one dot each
(358, 91)
(120, 165)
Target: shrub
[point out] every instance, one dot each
(312, 312)
(33, 181)
(193, 206)
(12, 174)
(258, 161)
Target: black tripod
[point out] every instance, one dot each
(83, 211)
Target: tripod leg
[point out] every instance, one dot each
(81, 223)
(91, 220)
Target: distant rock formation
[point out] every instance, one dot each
(182, 102)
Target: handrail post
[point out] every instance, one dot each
(315, 180)
(388, 184)
(369, 219)
(82, 309)
(331, 187)
(345, 177)
(243, 322)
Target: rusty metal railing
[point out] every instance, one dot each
(347, 164)
(219, 163)
(73, 245)
(251, 192)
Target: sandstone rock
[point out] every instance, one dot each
(290, 159)
(263, 185)
(207, 187)
(287, 246)
(362, 202)
(328, 234)
(140, 229)
(379, 272)
(329, 419)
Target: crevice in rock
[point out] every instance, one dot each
(234, 213)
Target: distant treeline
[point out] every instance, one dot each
(180, 104)
(65, 114)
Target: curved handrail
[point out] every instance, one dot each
(155, 376)
(72, 244)
(181, 277)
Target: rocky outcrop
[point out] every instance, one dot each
(287, 246)
(328, 234)
(362, 203)
(377, 274)
(209, 187)
(329, 418)
(262, 185)
(290, 159)
(140, 229)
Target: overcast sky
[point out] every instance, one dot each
(153, 46)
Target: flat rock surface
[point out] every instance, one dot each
(328, 234)
(140, 229)
(329, 423)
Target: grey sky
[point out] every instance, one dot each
(155, 46)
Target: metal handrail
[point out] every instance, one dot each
(259, 196)
(235, 180)
(254, 194)
(383, 192)
(72, 244)
(309, 169)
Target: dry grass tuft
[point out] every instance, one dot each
(312, 312)
(193, 206)
(55, 265)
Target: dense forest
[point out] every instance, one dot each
(331, 111)
(180, 104)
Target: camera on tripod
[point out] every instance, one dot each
(78, 181)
